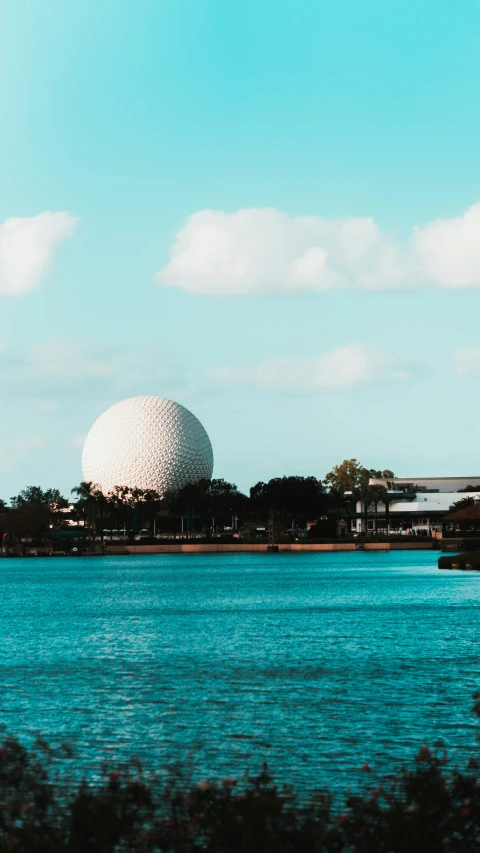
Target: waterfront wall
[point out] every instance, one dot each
(238, 548)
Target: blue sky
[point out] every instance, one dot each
(264, 210)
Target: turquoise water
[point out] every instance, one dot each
(315, 662)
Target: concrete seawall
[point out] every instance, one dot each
(240, 548)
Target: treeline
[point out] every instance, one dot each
(207, 505)
(426, 807)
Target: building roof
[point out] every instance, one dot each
(466, 514)
(436, 484)
(426, 503)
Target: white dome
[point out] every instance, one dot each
(146, 443)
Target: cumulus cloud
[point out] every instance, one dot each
(59, 368)
(467, 362)
(25, 446)
(70, 357)
(56, 368)
(20, 449)
(77, 441)
(255, 251)
(26, 248)
(344, 368)
(447, 251)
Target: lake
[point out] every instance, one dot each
(314, 662)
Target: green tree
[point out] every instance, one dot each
(379, 494)
(461, 504)
(346, 477)
(151, 503)
(381, 475)
(173, 507)
(351, 475)
(186, 502)
(4, 509)
(192, 499)
(50, 500)
(207, 499)
(119, 509)
(101, 506)
(372, 496)
(223, 500)
(84, 506)
(294, 497)
(27, 519)
(135, 506)
(92, 505)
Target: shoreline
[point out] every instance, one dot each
(228, 548)
(241, 548)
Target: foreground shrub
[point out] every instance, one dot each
(424, 808)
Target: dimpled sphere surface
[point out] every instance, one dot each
(146, 443)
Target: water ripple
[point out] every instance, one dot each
(316, 662)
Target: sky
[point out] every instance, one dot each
(267, 210)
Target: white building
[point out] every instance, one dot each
(412, 504)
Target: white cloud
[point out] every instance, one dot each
(25, 446)
(77, 441)
(344, 368)
(46, 405)
(70, 357)
(467, 362)
(256, 251)
(26, 248)
(60, 368)
(448, 250)
(20, 449)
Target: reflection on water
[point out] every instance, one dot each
(315, 662)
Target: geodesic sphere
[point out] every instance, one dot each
(146, 443)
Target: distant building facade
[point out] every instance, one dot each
(412, 504)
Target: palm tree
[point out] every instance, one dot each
(379, 495)
(372, 495)
(172, 505)
(85, 492)
(101, 502)
(152, 500)
(119, 505)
